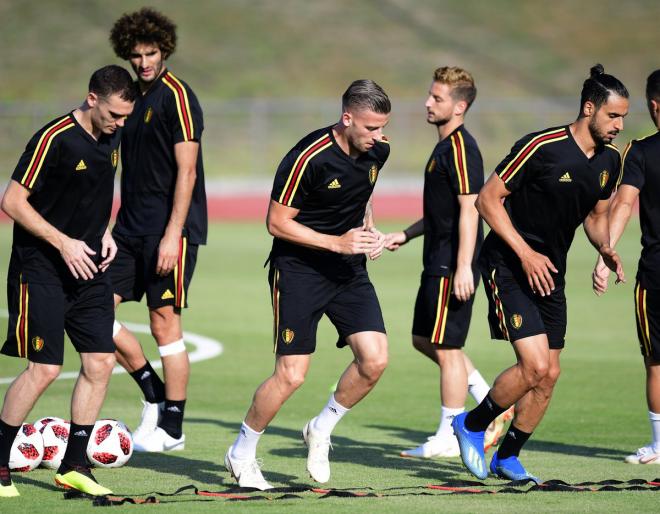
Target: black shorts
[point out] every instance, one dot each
(133, 272)
(647, 313)
(40, 313)
(515, 312)
(300, 299)
(439, 315)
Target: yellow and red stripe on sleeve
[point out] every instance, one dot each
(460, 163)
(41, 150)
(529, 149)
(296, 173)
(182, 105)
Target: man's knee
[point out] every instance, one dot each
(165, 326)
(98, 365)
(43, 374)
(290, 377)
(535, 372)
(373, 367)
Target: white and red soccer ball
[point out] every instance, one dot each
(111, 444)
(28, 449)
(55, 434)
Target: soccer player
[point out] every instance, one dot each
(551, 182)
(640, 177)
(60, 197)
(453, 234)
(320, 217)
(161, 222)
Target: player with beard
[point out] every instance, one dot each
(453, 234)
(161, 222)
(640, 178)
(551, 182)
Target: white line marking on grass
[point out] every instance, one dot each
(205, 349)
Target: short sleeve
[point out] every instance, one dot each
(293, 180)
(514, 168)
(40, 155)
(610, 178)
(466, 169)
(183, 111)
(632, 169)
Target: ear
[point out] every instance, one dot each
(92, 99)
(588, 109)
(460, 107)
(346, 119)
(655, 107)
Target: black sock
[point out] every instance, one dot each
(7, 436)
(150, 383)
(172, 418)
(76, 449)
(512, 443)
(481, 416)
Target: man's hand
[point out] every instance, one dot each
(599, 277)
(463, 283)
(380, 239)
(395, 240)
(168, 253)
(76, 256)
(613, 262)
(537, 268)
(356, 241)
(108, 251)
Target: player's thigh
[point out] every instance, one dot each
(126, 269)
(553, 309)
(299, 301)
(355, 308)
(90, 317)
(647, 316)
(172, 289)
(439, 316)
(35, 329)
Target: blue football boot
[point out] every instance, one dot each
(472, 447)
(510, 468)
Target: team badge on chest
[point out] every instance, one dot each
(373, 174)
(604, 177)
(114, 157)
(431, 166)
(148, 114)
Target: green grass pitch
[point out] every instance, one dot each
(597, 416)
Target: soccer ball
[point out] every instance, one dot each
(111, 444)
(42, 422)
(56, 437)
(27, 450)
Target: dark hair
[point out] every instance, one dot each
(599, 86)
(366, 94)
(653, 86)
(144, 26)
(113, 80)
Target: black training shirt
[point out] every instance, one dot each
(167, 114)
(554, 186)
(641, 169)
(71, 179)
(331, 190)
(454, 168)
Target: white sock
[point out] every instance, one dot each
(477, 386)
(655, 430)
(245, 446)
(446, 417)
(326, 421)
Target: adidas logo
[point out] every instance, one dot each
(81, 433)
(566, 177)
(511, 434)
(145, 375)
(81, 166)
(174, 408)
(334, 184)
(167, 295)
(333, 409)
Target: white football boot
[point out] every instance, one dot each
(318, 447)
(151, 413)
(645, 455)
(435, 446)
(496, 429)
(159, 441)
(246, 472)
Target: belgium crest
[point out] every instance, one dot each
(604, 177)
(148, 114)
(373, 174)
(431, 166)
(288, 335)
(114, 157)
(37, 343)
(516, 321)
